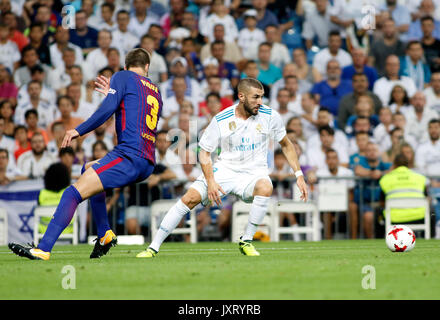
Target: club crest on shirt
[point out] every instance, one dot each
(232, 126)
(259, 128)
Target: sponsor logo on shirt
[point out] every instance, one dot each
(112, 91)
(148, 137)
(232, 126)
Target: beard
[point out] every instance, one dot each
(249, 108)
(38, 152)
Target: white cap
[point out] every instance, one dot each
(182, 60)
(210, 61)
(250, 13)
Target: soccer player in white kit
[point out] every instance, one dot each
(243, 131)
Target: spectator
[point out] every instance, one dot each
(304, 71)
(325, 118)
(316, 154)
(317, 25)
(251, 71)
(432, 93)
(65, 107)
(372, 168)
(250, 37)
(400, 14)
(294, 125)
(114, 61)
(364, 108)
(23, 75)
(174, 15)
(189, 22)
(38, 74)
(31, 119)
(333, 52)
(330, 91)
(105, 22)
(48, 19)
(220, 15)
(428, 153)
(34, 163)
(46, 111)
(359, 66)
(383, 86)
(381, 49)
(157, 71)
(141, 19)
(7, 113)
(211, 107)
(122, 38)
(97, 58)
(8, 90)
(431, 44)
(61, 43)
(294, 103)
(216, 85)
(409, 153)
(226, 69)
(309, 114)
(15, 35)
(5, 142)
(99, 134)
(397, 140)
(264, 16)
(60, 76)
(333, 169)
(230, 52)
(399, 100)
(399, 121)
(67, 157)
(362, 138)
(83, 36)
(174, 102)
(412, 65)
(289, 69)
(81, 108)
(36, 34)
(382, 131)
(268, 73)
(348, 101)
(419, 117)
(416, 28)
(9, 53)
(8, 173)
(361, 124)
(279, 55)
(57, 131)
(220, 85)
(166, 157)
(195, 67)
(283, 100)
(22, 143)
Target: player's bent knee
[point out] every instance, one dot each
(191, 198)
(88, 184)
(263, 188)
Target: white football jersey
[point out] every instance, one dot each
(244, 143)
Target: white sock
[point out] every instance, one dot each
(169, 223)
(256, 216)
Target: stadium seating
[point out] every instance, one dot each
(407, 203)
(158, 210)
(48, 211)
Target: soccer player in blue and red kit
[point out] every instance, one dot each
(137, 103)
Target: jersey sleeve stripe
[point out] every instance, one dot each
(224, 116)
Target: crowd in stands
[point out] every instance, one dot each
(352, 96)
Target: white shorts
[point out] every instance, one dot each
(232, 182)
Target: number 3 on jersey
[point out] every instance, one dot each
(152, 117)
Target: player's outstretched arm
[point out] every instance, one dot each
(292, 158)
(213, 187)
(68, 137)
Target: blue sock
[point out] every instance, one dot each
(61, 218)
(99, 212)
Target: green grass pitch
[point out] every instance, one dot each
(285, 270)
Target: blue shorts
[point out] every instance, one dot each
(117, 169)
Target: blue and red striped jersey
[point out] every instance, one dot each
(137, 105)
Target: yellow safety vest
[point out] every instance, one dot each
(404, 183)
(51, 198)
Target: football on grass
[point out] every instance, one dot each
(400, 238)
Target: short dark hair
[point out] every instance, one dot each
(324, 109)
(37, 25)
(334, 33)
(19, 127)
(435, 120)
(411, 43)
(330, 150)
(359, 74)
(57, 177)
(247, 83)
(37, 68)
(425, 18)
(327, 129)
(65, 97)
(66, 150)
(137, 57)
(401, 160)
(279, 152)
(217, 42)
(29, 112)
(109, 5)
(122, 12)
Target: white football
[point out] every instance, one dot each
(400, 238)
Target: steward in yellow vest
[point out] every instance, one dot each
(402, 182)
